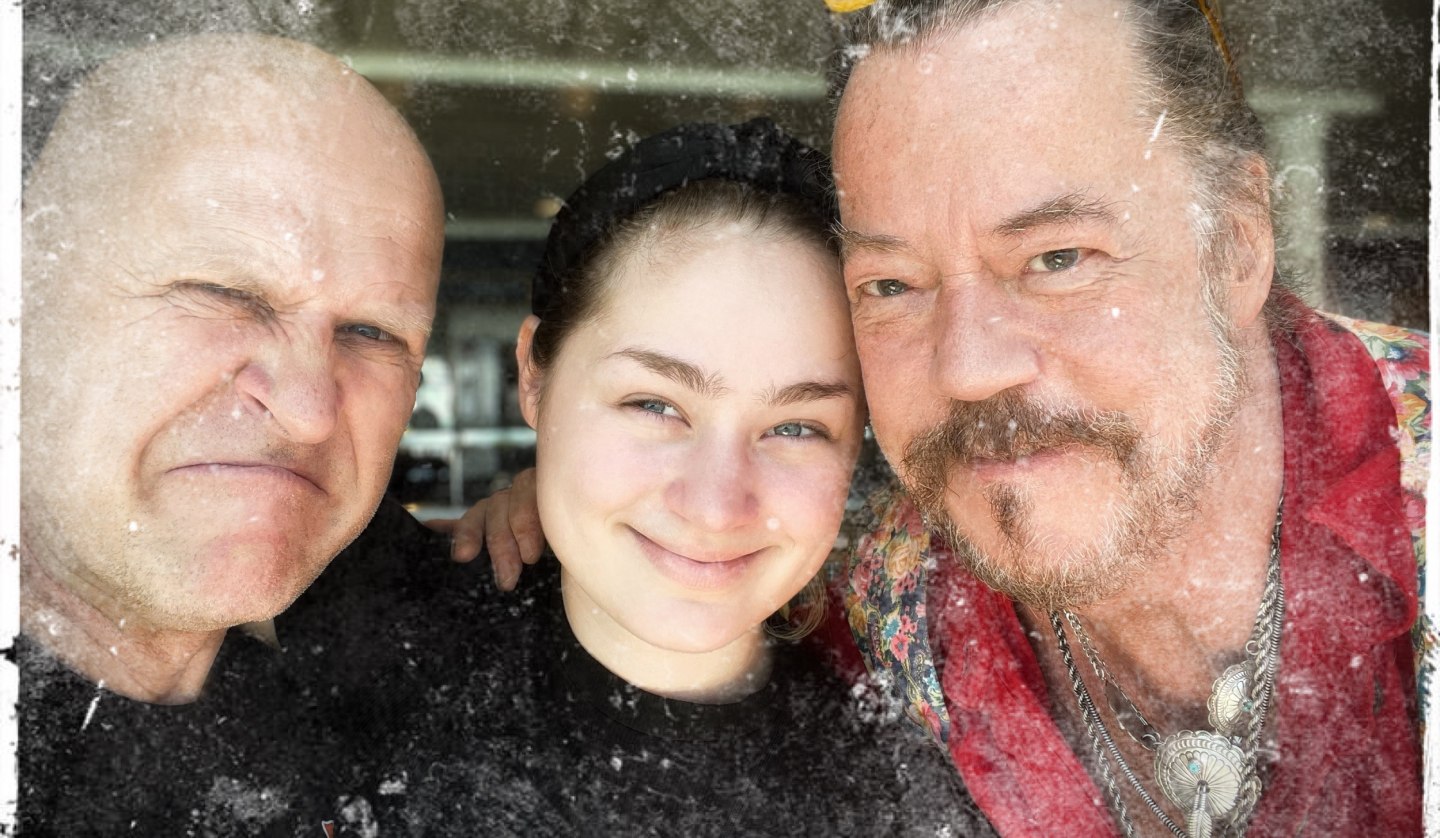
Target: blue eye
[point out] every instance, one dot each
(884, 287)
(655, 407)
(369, 332)
(797, 430)
(1055, 260)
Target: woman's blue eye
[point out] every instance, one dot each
(658, 407)
(794, 429)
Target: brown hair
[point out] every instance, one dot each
(664, 226)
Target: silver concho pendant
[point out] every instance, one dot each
(1229, 702)
(1192, 758)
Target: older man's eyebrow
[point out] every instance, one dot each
(852, 242)
(1062, 210)
(681, 372)
(808, 391)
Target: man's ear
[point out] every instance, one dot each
(530, 378)
(1252, 246)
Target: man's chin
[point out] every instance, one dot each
(1041, 572)
(233, 581)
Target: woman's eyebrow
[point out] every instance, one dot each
(681, 372)
(808, 391)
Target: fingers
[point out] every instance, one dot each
(524, 517)
(467, 533)
(500, 541)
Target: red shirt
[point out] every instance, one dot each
(1344, 724)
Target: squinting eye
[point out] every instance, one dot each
(1054, 260)
(369, 332)
(222, 291)
(884, 287)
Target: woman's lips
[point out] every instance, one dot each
(709, 572)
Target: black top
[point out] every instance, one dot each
(551, 743)
(412, 698)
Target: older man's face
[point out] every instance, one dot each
(227, 363)
(1021, 262)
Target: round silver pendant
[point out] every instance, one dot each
(1192, 757)
(1229, 702)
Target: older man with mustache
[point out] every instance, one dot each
(1169, 537)
(1153, 568)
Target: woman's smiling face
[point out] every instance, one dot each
(697, 435)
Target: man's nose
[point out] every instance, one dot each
(293, 379)
(715, 488)
(981, 348)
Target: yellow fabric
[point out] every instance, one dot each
(843, 6)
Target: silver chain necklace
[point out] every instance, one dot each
(1213, 777)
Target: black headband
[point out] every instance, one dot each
(757, 153)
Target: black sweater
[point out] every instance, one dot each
(412, 698)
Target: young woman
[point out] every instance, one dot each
(692, 381)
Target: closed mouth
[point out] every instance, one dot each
(243, 469)
(698, 569)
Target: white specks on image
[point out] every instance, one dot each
(356, 813)
(1155, 132)
(395, 785)
(94, 703)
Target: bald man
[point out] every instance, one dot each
(231, 253)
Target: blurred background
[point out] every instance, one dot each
(517, 101)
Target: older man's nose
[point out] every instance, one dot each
(979, 349)
(294, 382)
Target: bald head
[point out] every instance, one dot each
(138, 112)
(231, 252)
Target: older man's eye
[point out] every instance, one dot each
(369, 332)
(883, 288)
(223, 291)
(1055, 260)
(213, 295)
